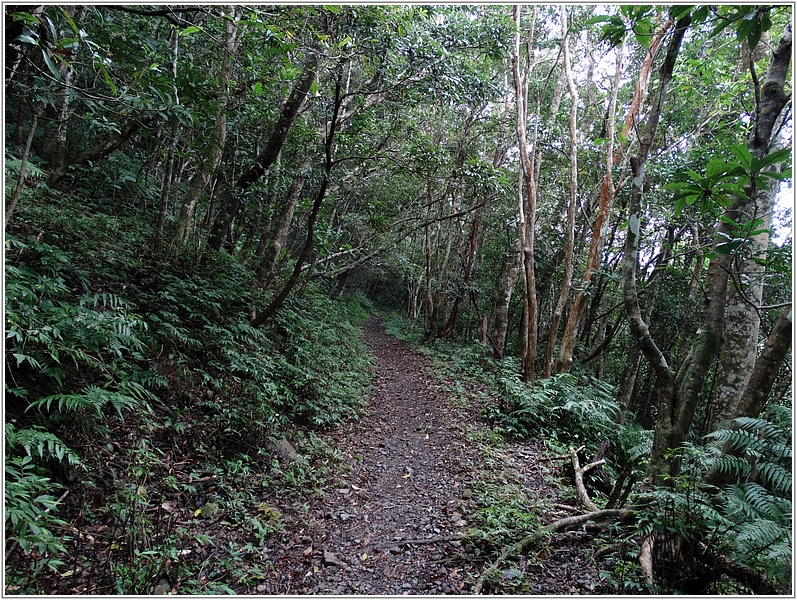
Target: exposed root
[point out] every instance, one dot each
(646, 559)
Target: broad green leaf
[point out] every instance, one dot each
(26, 39)
(51, 64)
(190, 30)
(781, 155)
(598, 19)
(676, 12)
(742, 154)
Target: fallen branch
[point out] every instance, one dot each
(601, 552)
(646, 559)
(622, 514)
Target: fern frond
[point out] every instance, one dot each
(762, 501)
(38, 443)
(776, 477)
(762, 427)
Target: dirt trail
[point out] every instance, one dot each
(408, 480)
(390, 525)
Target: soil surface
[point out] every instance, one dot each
(394, 523)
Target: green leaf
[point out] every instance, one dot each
(775, 157)
(190, 30)
(27, 39)
(51, 65)
(258, 88)
(676, 12)
(742, 154)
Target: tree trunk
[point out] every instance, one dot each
(571, 206)
(288, 115)
(168, 174)
(501, 323)
(564, 360)
(282, 227)
(679, 397)
(201, 179)
(666, 428)
(740, 336)
(307, 249)
(766, 368)
(23, 167)
(468, 260)
(56, 150)
(527, 199)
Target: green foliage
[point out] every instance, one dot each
(326, 366)
(564, 406)
(748, 520)
(57, 340)
(31, 523)
(28, 502)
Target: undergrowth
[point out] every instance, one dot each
(138, 395)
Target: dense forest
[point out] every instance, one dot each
(581, 208)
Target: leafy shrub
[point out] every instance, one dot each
(30, 504)
(574, 409)
(86, 349)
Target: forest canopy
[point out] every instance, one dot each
(201, 202)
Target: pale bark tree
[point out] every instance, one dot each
(527, 197)
(570, 219)
(608, 191)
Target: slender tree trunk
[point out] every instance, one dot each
(282, 227)
(527, 199)
(202, 178)
(564, 360)
(760, 383)
(468, 261)
(307, 249)
(570, 225)
(168, 175)
(501, 323)
(56, 151)
(666, 428)
(23, 167)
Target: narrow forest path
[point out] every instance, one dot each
(390, 525)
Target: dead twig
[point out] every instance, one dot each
(579, 472)
(432, 540)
